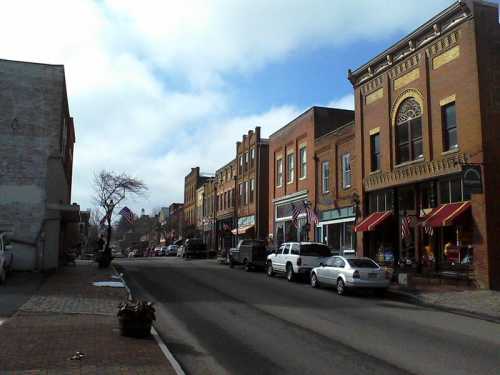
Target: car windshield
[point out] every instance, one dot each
(315, 250)
(362, 263)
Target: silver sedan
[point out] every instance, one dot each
(346, 272)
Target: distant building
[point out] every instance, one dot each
(192, 182)
(36, 163)
(225, 179)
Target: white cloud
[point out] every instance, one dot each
(121, 56)
(345, 102)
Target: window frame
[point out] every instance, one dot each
(325, 188)
(279, 172)
(302, 162)
(290, 168)
(411, 139)
(346, 172)
(375, 162)
(446, 129)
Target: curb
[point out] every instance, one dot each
(163, 347)
(415, 300)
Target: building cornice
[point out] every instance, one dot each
(442, 23)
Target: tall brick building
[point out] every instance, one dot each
(251, 186)
(292, 170)
(36, 163)
(427, 138)
(225, 206)
(192, 182)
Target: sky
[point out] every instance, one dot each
(157, 87)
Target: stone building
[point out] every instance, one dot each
(251, 186)
(292, 171)
(36, 163)
(427, 139)
(336, 196)
(225, 204)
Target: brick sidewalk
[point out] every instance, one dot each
(69, 314)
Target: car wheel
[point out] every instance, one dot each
(231, 263)
(3, 275)
(270, 271)
(314, 280)
(340, 287)
(290, 275)
(247, 265)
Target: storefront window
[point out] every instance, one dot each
(406, 198)
(450, 190)
(379, 201)
(338, 236)
(428, 195)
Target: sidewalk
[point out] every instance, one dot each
(68, 315)
(482, 304)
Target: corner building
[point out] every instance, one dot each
(427, 136)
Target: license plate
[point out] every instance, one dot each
(372, 275)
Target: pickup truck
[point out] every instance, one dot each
(6, 256)
(250, 253)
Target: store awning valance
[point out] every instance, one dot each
(445, 214)
(242, 229)
(370, 222)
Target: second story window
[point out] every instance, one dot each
(325, 176)
(303, 162)
(346, 171)
(449, 127)
(279, 172)
(241, 164)
(252, 189)
(409, 131)
(246, 161)
(375, 151)
(290, 166)
(252, 157)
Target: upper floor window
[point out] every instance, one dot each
(252, 189)
(290, 165)
(375, 151)
(246, 161)
(409, 131)
(346, 171)
(252, 157)
(279, 172)
(449, 127)
(303, 162)
(325, 176)
(241, 163)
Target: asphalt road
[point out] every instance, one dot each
(218, 320)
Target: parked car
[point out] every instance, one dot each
(249, 253)
(297, 258)
(6, 256)
(195, 248)
(345, 272)
(171, 250)
(180, 251)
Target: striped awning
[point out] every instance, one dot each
(370, 222)
(445, 214)
(242, 229)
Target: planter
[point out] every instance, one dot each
(136, 318)
(137, 328)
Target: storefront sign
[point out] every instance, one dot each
(472, 179)
(339, 213)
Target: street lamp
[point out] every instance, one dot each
(307, 204)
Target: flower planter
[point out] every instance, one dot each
(136, 318)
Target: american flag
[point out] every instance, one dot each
(428, 229)
(295, 215)
(127, 214)
(312, 218)
(405, 226)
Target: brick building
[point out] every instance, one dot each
(292, 181)
(225, 188)
(336, 196)
(428, 147)
(208, 214)
(192, 182)
(36, 163)
(251, 186)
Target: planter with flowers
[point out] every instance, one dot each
(136, 318)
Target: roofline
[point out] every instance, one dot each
(32, 63)
(292, 122)
(404, 41)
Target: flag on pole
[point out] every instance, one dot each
(295, 215)
(312, 218)
(428, 229)
(405, 226)
(127, 214)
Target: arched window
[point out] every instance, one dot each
(409, 131)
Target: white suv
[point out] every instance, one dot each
(294, 258)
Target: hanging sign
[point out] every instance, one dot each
(472, 179)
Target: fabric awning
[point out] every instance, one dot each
(243, 229)
(370, 222)
(445, 214)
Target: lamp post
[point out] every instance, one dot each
(307, 204)
(356, 201)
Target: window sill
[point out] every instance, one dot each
(302, 178)
(346, 187)
(325, 192)
(452, 151)
(289, 182)
(405, 164)
(279, 186)
(375, 172)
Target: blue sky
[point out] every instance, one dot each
(156, 87)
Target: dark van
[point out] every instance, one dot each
(195, 248)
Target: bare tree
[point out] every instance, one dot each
(110, 190)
